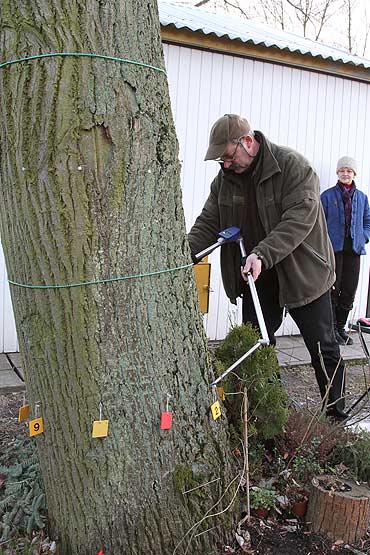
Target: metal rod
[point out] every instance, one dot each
(243, 252)
(366, 351)
(258, 309)
(206, 251)
(239, 361)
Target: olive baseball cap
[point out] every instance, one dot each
(226, 129)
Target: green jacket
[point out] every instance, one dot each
(289, 207)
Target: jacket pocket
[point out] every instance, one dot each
(315, 253)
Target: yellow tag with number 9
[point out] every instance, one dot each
(36, 426)
(216, 410)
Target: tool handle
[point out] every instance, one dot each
(243, 252)
(258, 309)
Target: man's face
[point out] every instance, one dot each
(236, 157)
(346, 175)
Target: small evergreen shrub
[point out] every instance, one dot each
(259, 373)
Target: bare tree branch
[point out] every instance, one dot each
(237, 7)
(201, 3)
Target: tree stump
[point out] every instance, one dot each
(339, 509)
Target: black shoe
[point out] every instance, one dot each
(339, 338)
(333, 413)
(345, 336)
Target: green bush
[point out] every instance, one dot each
(355, 455)
(262, 498)
(305, 468)
(259, 373)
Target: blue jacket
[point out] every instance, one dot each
(360, 219)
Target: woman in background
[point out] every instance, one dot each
(347, 215)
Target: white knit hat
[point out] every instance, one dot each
(347, 162)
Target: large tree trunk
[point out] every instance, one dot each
(90, 190)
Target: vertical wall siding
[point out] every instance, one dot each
(8, 334)
(323, 117)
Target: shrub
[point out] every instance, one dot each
(262, 498)
(22, 501)
(304, 468)
(355, 455)
(259, 373)
(311, 438)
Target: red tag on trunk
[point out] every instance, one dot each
(166, 420)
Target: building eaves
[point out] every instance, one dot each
(247, 31)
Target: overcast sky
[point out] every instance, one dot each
(335, 32)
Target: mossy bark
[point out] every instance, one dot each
(90, 190)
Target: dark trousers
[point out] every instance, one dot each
(315, 322)
(347, 271)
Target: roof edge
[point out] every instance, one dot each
(225, 45)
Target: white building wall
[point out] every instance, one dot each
(8, 334)
(321, 116)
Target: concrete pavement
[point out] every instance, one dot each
(9, 380)
(292, 351)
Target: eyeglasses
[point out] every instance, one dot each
(232, 157)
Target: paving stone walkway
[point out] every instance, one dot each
(9, 380)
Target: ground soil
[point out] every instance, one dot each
(272, 536)
(301, 386)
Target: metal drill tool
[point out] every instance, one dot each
(226, 236)
(232, 234)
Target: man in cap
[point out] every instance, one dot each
(272, 194)
(347, 215)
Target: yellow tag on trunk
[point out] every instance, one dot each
(216, 410)
(221, 393)
(23, 413)
(36, 426)
(100, 428)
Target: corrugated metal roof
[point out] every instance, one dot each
(245, 30)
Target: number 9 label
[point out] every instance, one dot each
(36, 426)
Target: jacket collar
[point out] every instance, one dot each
(269, 167)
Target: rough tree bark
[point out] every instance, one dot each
(90, 190)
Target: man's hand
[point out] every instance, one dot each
(253, 265)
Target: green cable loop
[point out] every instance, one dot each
(86, 54)
(109, 280)
(113, 58)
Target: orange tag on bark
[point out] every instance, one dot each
(166, 420)
(100, 428)
(23, 413)
(221, 393)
